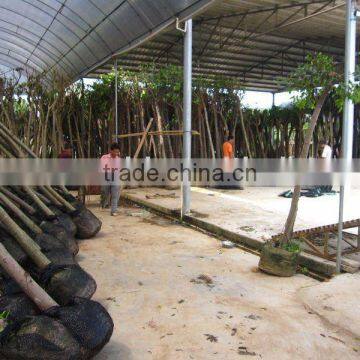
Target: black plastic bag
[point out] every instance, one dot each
(87, 224)
(60, 233)
(13, 247)
(64, 283)
(19, 306)
(88, 322)
(7, 285)
(63, 220)
(38, 338)
(60, 256)
(48, 242)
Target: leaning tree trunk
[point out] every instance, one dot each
(30, 247)
(290, 221)
(24, 280)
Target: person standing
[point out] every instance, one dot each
(325, 150)
(110, 193)
(229, 147)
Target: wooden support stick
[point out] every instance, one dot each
(158, 133)
(145, 133)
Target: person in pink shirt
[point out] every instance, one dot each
(110, 193)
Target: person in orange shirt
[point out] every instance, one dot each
(229, 147)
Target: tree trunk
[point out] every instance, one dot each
(243, 129)
(208, 129)
(19, 214)
(30, 247)
(217, 135)
(160, 128)
(38, 295)
(290, 221)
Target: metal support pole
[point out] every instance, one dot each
(186, 185)
(273, 99)
(348, 118)
(116, 102)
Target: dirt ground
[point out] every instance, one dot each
(149, 275)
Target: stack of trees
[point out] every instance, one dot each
(45, 294)
(84, 116)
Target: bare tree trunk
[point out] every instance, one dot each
(38, 295)
(216, 125)
(208, 128)
(290, 221)
(30, 247)
(160, 128)
(242, 124)
(4, 200)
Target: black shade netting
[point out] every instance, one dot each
(64, 283)
(38, 338)
(64, 220)
(7, 285)
(89, 323)
(18, 305)
(13, 247)
(57, 257)
(60, 233)
(87, 224)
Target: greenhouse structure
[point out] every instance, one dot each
(158, 199)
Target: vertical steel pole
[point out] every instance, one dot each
(116, 101)
(348, 118)
(186, 185)
(273, 99)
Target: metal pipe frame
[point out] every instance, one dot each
(348, 117)
(116, 100)
(187, 102)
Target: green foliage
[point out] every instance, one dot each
(291, 246)
(310, 80)
(317, 75)
(4, 315)
(3, 319)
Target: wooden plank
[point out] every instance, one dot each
(322, 229)
(157, 133)
(311, 245)
(143, 138)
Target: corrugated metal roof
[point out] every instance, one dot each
(252, 41)
(76, 36)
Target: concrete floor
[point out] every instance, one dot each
(147, 270)
(257, 212)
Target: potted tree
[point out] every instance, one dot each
(314, 81)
